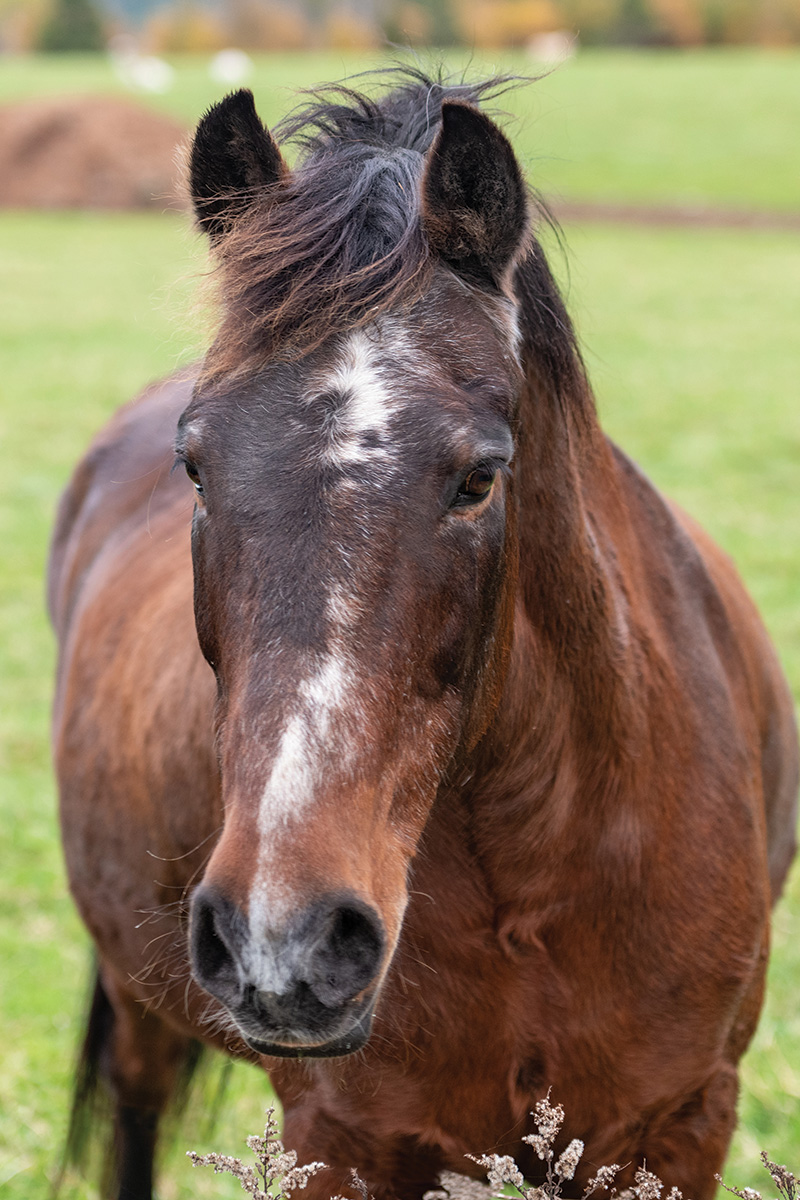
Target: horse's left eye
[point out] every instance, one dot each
(194, 475)
(477, 485)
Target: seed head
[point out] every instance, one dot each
(603, 1179)
(648, 1186)
(565, 1167)
(501, 1170)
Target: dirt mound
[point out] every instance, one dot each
(88, 152)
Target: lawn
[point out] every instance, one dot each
(707, 127)
(691, 337)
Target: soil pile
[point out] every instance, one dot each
(89, 152)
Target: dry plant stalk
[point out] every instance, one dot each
(502, 1170)
(276, 1173)
(784, 1179)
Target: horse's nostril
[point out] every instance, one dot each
(347, 957)
(213, 935)
(358, 937)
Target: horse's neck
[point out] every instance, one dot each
(575, 547)
(557, 763)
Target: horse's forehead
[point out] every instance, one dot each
(364, 369)
(355, 397)
(446, 341)
(359, 399)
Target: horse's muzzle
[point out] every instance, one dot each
(306, 990)
(337, 1047)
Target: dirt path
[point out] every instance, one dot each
(681, 215)
(88, 152)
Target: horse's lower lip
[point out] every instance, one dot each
(338, 1047)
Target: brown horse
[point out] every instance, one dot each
(482, 778)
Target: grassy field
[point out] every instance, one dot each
(692, 340)
(709, 127)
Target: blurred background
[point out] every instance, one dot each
(664, 134)
(191, 26)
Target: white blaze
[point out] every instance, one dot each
(368, 404)
(294, 777)
(296, 772)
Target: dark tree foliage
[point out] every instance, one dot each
(73, 25)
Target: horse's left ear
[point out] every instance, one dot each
(474, 203)
(233, 157)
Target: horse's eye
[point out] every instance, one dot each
(192, 472)
(477, 485)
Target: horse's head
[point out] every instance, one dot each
(351, 445)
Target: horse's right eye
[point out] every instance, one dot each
(194, 475)
(476, 486)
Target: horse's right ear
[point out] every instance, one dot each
(474, 202)
(233, 156)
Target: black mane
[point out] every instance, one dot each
(407, 117)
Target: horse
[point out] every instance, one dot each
(448, 761)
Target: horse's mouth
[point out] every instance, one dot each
(337, 1047)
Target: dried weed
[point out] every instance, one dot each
(276, 1173)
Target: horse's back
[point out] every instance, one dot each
(771, 700)
(720, 638)
(126, 468)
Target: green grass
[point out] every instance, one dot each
(699, 128)
(707, 127)
(692, 340)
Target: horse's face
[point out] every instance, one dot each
(355, 557)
